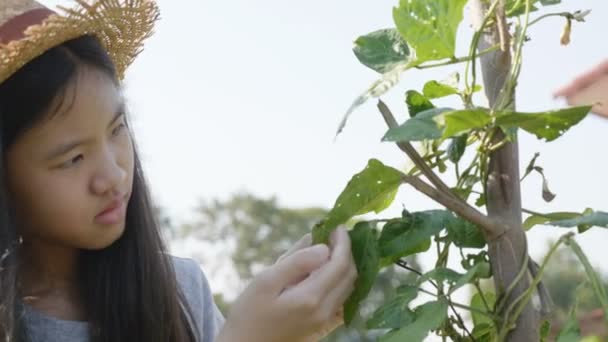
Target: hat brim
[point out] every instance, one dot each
(120, 25)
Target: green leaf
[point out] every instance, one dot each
(461, 121)
(417, 103)
(550, 2)
(420, 127)
(412, 235)
(484, 333)
(465, 234)
(434, 90)
(477, 303)
(382, 50)
(534, 220)
(480, 270)
(429, 26)
(546, 125)
(589, 219)
(457, 147)
(440, 275)
(395, 313)
(545, 329)
(571, 331)
(517, 7)
(365, 253)
(429, 316)
(373, 189)
(595, 280)
(454, 279)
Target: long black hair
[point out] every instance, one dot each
(130, 289)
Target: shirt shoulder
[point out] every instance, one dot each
(196, 290)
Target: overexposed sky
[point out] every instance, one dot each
(247, 95)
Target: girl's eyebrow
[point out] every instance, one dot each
(67, 147)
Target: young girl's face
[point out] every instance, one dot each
(66, 172)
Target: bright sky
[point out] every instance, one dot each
(247, 95)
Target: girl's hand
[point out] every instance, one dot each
(299, 298)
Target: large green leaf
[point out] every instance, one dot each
(373, 189)
(462, 121)
(417, 103)
(434, 90)
(465, 234)
(429, 316)
(421, 127)
(395, 313)
(382, 50)
(429, 26)
(365, 253)
(545, 125)
(412, 235)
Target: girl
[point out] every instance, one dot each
(81, 257)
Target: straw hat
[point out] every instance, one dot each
(28, 29)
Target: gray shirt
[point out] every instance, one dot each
(192, 281)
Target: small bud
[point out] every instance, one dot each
(565, 38)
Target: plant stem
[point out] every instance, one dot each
(490, 227)
(457, 60)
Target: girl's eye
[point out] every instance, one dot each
(72, 162)
(116, 131)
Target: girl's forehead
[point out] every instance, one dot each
(88, 101)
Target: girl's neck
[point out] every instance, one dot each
(48, 278)
(48, 265)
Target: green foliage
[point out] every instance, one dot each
(396, 313)
(373, 189)
(435, 90)
(417, 103)
(545, 125)
(365, 253)
(412, 234)
(424, 36)
(429, 26)
(457, 147)
(382, 50)
(429, 316)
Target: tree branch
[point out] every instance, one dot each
(412, 153)
(491, 228)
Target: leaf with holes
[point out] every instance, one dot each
(429, 27)
(545, 125)
(373, 189)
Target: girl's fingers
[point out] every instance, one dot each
(340, 264)
(295, 267)
(304, 242)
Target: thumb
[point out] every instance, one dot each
(296, 267)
